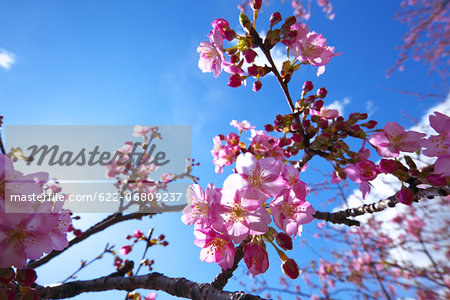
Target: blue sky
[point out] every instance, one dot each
(116, 62)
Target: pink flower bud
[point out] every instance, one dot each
(234, 81)
(290, 268)
(297, 138)
(221, 25)
(284, 241)
(405, 196)
(253, 70)
(295, 126)
(275, 18)
(322, 93)
(387, 166)
(317, 105)
(138, 234)
(256, 258)
(437, 180)
(268, 127)
(77, 232)
(125, 249)
(26, 276)
(249, 55)
(257, 86)
(289, 22)
(229, 34)
(255, 4)
(234, 59)
(307, 86)
(371, 124)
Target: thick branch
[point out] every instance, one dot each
(102, 225)
(180, 287)
(341, 217)
(222, 278)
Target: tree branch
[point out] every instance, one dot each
(180, 287)
(341, 217)
(222, 278)
(102, 225)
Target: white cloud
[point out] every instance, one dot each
(6, 59)
(339, 105)
(370, 108)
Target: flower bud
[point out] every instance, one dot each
(253, 70)
(295, 126)
(234, 81)
(307, 86)
(234, 59)
(297, 138)
(26, 276)
(257, 85)
(290, 268)
(387, 166)
(284, 241)
(275, 18)
(220, 24)
(289, 22)
(405, 196)
(256, 258)
(255, 4)
(249, 55)
(138, 234)
(322, 93)
(126, 249)
(229, 34)
(268, 128)
(317, 105)
(436, 180)
(245, 22)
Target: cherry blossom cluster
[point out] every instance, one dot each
(306, 48)
(40, 228)
(241, 210)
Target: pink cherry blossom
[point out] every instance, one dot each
(223, 155)
(290, 212)
(362, 172)
(217, 247)
(394, 139)
(261, 175)
(256, 258)
(311, 47)
(57, 234)
(265, 145)
(325, 113)
(200, 206)
(24, 236)
(439, 145)
(211, 55)
(242, 213)
(242, 126)
(141, 130)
